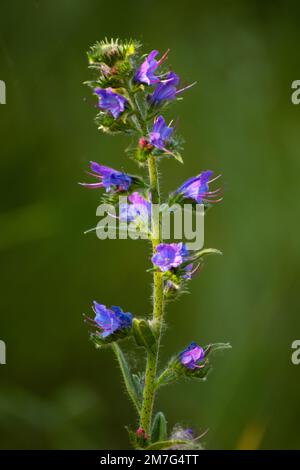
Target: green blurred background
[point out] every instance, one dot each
(56, 390)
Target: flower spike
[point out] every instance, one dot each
(132, 91)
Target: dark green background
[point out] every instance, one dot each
(56, 390)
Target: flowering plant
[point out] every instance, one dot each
(132, 91)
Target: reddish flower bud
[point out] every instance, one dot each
(141, 434)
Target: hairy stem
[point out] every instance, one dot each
(152, 358)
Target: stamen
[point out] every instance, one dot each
(163, 58)
(185, 88)
(213, 192)
(214, 179)
(211, 196)
(199, 367)
(92, 185)
(93, 174)
(214, 202)
(201, 435)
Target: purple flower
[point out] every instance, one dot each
(139, 208)
(160, 133)
(111, 320)
(166, 89)
(189, 271)
(182, 434)
(197, 188)
(110, 179)
(191, 356)
(145, 73)
(111, 101)
(169, 255)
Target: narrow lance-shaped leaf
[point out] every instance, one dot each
(160, 445)
(159, 428)
(144, 335)
(138, 381)
(126, 373)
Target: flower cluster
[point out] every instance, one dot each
(178, 265)
(132, 91)
(169, 255)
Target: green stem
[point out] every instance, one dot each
(152, 358)
(161, 378)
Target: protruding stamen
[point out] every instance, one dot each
(214, 179)
(214, 201)
(185, 88)
(164, 57)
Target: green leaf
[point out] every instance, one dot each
(167, 444)
(138, 381)
(132, 437)
(207, 251)
(127, 376)
(108, 124)
(159, 428)
(143, 334)
(211, 348)
(178, 157)
(141, 103)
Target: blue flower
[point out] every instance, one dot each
(197, 188)
(169, 255)
(167, 89)
(189, 270)
(160, 133)
(191, 356)
(139, 209)
(145, 73)
(111, 320)
(110, 179)
(182, 434)
(111, 101)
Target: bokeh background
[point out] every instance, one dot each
(56, 390)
